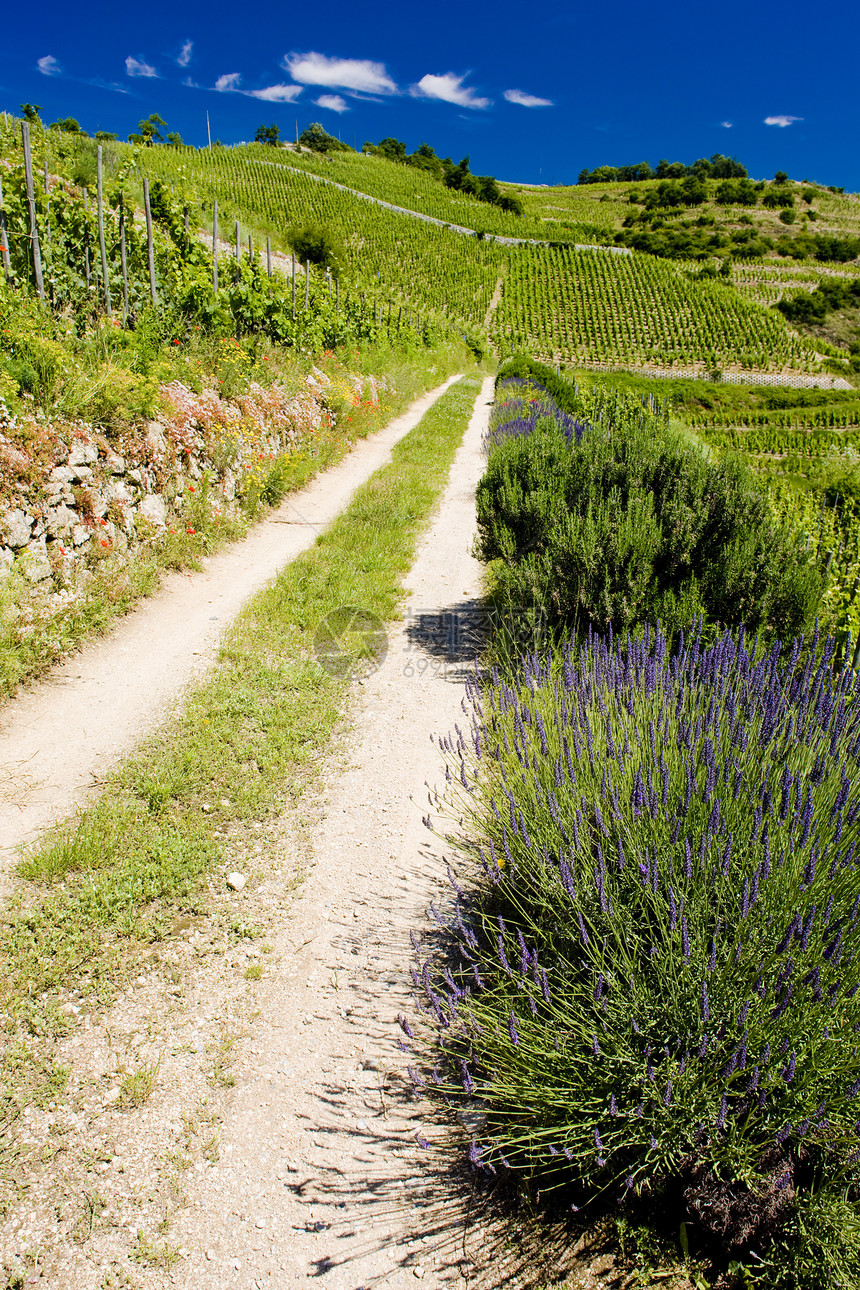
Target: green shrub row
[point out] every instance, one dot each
(635, 525)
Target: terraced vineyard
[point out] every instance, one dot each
(766, 281)
(415, 190)
(390, 255)
(584, 307)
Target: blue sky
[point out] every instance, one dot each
(531, 94)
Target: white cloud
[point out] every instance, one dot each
(358, 74)
(526, 100)
(727, 125)
(333, 102)
(229, 81)
(137, 67)
(276, 93)
(101, 84)
(449, 89)
(48, 66)
(183, 58)
(782, 121)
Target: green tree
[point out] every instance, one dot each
(392, 149)
(31, 113)
(780, 177)
(174, 139)
(149, 131)
(67, 125)
(316, 243)
(318, 139)
(104, 136)
(270, 134)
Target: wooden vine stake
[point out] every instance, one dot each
(150, 245)
(4, 240)
(102, 250)
(87, 274)
(215, 244)
(307, 282)
(250, 249)
(48, 212)
(269, 255)
(123, 261)
(31, 203)
(238, 244)
(294, 286)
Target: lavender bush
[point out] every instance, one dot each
(520, 404)
(652, 968)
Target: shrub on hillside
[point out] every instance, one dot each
(633, 524)
(650, 984)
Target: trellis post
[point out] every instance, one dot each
(31, 204)
(4, 240)
(102, 249)
(150, 244)
(215, 244)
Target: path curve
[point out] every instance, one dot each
(59, 738)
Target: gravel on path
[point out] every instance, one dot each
(59, 738)
(319, 1171)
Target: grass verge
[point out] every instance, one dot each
(103, 887)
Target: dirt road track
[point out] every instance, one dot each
(60, 737)
(319, 1174)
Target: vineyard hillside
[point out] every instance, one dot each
(566, 305)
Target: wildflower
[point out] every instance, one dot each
(190, 529)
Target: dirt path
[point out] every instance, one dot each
(59, 739)
(318, 1170)
(280, 1140)
(493, 305)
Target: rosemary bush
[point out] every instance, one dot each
(629, 523)
(652, 972)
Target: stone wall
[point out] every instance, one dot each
(70, 496)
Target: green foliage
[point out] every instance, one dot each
(67, 125)
(633, 526)
(318, 139)
(270, 134)
(149, 130)
(813, 307)
(777, 198)
(718, 167)
(826, 247)
(317, 244)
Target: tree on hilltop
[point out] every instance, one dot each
(31, 113)
(318, 139)
(270, 134)
(67, 125)
(149, 131)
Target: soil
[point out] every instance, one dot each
(59, 738)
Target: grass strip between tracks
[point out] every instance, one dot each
(103, 887)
